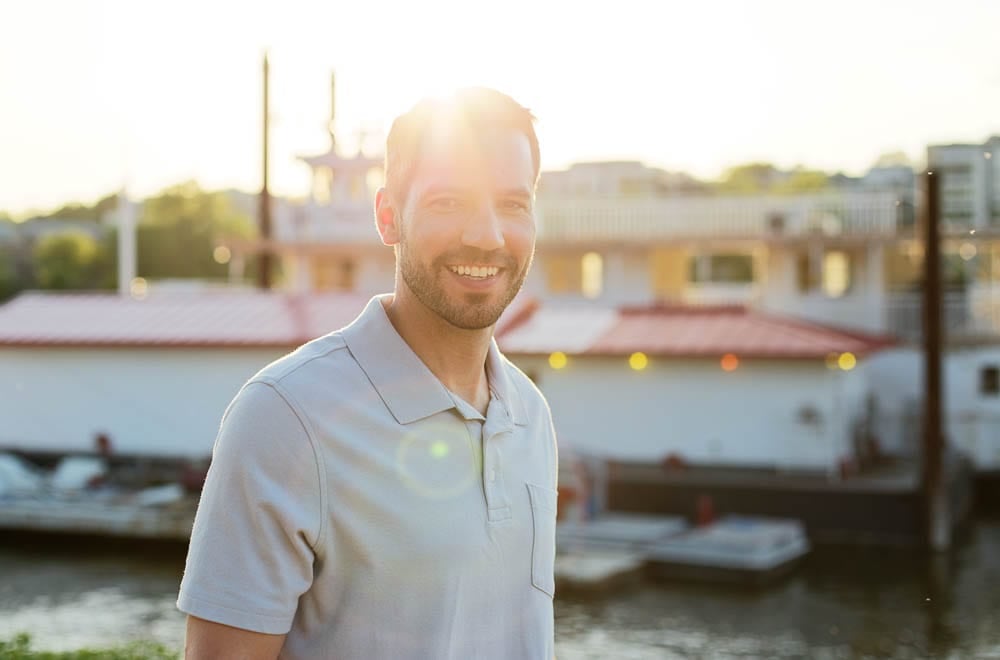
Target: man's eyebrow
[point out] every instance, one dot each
(516, 192)
(434, 191)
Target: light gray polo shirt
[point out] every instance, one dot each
(356, 504)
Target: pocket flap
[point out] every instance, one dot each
(543, 546)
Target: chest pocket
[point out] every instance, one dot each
(543, 545)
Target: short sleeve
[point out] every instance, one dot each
(253, 544)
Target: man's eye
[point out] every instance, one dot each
(445, 204)
(515, 205)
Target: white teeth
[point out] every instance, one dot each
(478, 272)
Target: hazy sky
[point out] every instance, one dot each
(96, 93)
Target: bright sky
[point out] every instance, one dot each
(94, 93)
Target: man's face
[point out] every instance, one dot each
(467, 226)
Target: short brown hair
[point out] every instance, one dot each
(481, 109)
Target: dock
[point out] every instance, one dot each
(741, 550)
(597, 571)
(85, 495)
(615, 550)
(103, 516)
(881, 508)
(623, 532)
(609, 552)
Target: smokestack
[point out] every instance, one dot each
(126, 243)
(264, 274)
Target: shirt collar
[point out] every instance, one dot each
(408, 388)
(498, 373)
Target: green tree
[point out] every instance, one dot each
(78, 211)
(801, 180)
(69, 260)
(748, 179)
(9, 281)
(180, 228)
(758, 178)
(10, 258)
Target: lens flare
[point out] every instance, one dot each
(139, 288)
(846, 361)
(222, 255)
(729, 362)
(638, 361)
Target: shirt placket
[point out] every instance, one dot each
(496, 428)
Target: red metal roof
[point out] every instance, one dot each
(209, 318)
(253, 318)
(203, 318)
(681, 332)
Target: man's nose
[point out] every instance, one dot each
(483, 230)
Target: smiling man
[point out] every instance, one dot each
(389, 490)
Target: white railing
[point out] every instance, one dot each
(612, 219)
(721, 294)
(352, 224)
(589, 220)
(965, 315)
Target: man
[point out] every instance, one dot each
(389, 490)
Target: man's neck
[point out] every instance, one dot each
(455, 356)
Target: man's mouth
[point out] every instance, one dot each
(475, 272)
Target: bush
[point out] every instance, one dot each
(19, 648)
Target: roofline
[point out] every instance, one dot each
(798, 356)
(877, 341)
(114, 343)
(670, 308)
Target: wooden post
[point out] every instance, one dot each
(264, 212)
(938, 525)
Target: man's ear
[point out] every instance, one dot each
(386, 218)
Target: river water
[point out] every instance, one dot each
(840, 604)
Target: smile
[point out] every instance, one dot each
(475, 272)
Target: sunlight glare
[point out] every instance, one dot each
(847, 361)
(729, 362)
(638, 361)
(558, 360)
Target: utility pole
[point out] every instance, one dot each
(935, 493)
(264, 213)
(126, 243)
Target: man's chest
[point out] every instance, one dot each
(442, 493)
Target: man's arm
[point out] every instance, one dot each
(207, 640)
(251, 555)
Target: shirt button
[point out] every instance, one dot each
(493, 475)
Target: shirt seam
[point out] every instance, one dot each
(282, 619)
(317, 455)
(284, 374)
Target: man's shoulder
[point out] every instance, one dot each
(319, 358)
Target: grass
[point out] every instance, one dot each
(19, 648)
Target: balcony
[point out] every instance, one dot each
(342, 224)
(616, 220)
(712, 294)
(967, 315)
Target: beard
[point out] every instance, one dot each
(471, 311)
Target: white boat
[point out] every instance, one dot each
(740, 549)
(627, 532)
